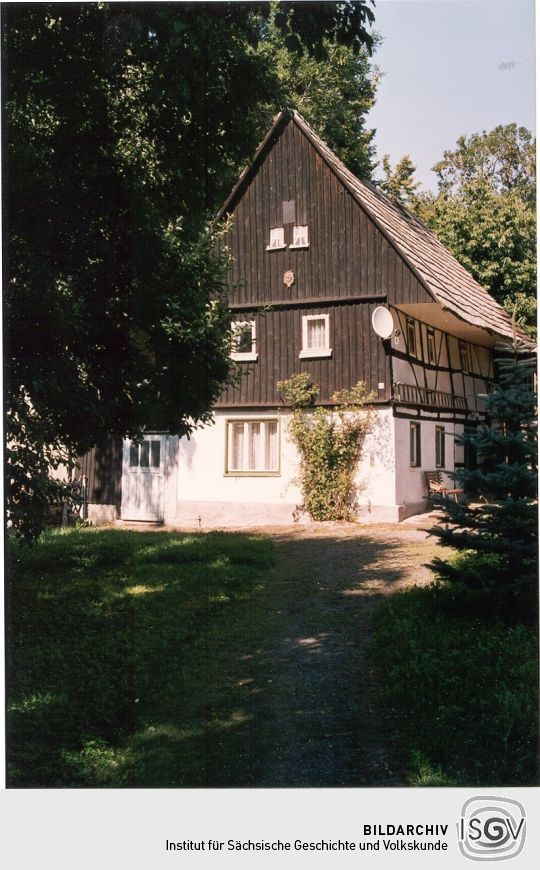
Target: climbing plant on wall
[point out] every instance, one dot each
(329, 442)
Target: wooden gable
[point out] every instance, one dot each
(348, 268)
(348, 256)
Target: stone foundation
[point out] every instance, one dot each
(210, 515)
(102, 514)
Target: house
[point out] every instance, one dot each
(329, 276)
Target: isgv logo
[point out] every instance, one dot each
(491, 828)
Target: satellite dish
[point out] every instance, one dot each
(382, 322)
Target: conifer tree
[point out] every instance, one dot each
(497, 529)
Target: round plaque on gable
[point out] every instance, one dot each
(288, 278)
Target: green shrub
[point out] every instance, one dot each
(485, 586)
(459, 697)
(330, 443)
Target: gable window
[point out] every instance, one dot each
(439, 447)
(300, 237)
(252, 447)
(315, 336)
(411, 336)
(416, 458)
(244, 341)
(431, 352)
(464, 359)
(277, 239)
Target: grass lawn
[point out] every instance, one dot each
(458, 694)
(108, 652)
(168, 660)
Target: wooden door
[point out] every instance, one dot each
(143, 479)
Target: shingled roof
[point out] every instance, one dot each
(435, 267)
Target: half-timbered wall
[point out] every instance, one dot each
(441, 372)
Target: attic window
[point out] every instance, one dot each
(315, 336)
(244, 341)
(300, 237)
(464, 357)
(432, 355)
(277, 239)
(411, 336)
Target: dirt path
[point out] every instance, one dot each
(286, 689)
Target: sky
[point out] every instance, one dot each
(451, 67)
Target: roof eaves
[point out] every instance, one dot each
(486, 323)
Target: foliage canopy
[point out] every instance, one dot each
(399, 182)
(485, 213)
(126, 125)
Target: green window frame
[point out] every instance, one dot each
(440, 458)
(415, 446)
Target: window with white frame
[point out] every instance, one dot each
(300, 237)
(244, 341)
(315, 336)
(439, 447)
(415, 446)
(252, 447)
(277, 239)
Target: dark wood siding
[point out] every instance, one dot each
(347, 254)
(103, 468)
(349, 268)
(355, 354)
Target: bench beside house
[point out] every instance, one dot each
(315, 251)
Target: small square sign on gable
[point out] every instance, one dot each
(289, 211)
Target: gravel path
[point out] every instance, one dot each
(293, 675)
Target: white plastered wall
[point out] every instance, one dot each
(206, 496)
(376, 473)
(199, 493)
(410, 482)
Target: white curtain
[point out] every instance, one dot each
(237, 445)
(254, 446)
(316, 333)
(271, 447)
(300, 236)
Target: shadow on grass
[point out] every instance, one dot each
(173, 660)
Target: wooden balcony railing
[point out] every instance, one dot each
(410, 394)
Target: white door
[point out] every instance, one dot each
(143, 479)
